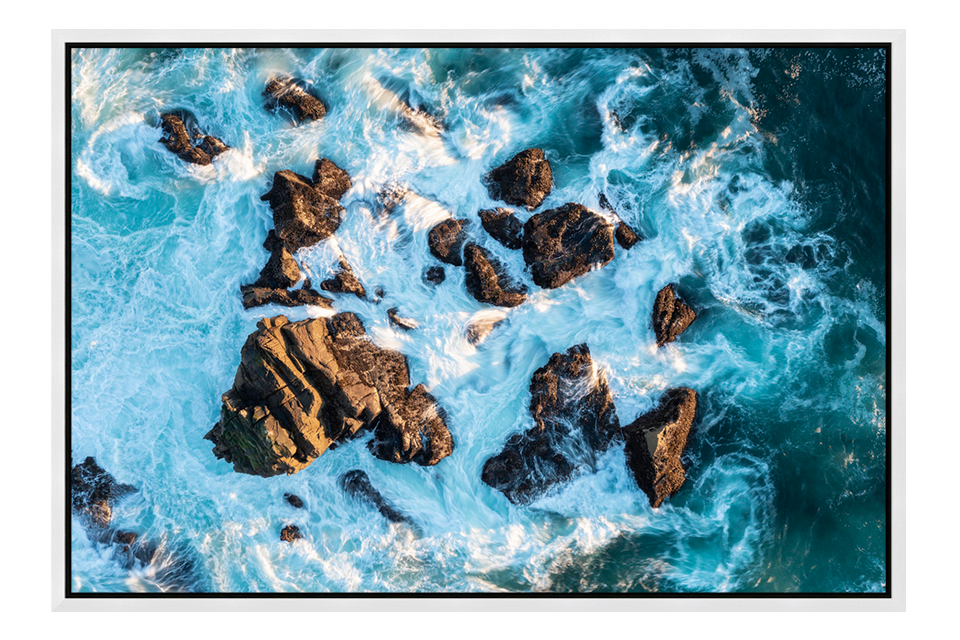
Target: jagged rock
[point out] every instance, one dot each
(344, 281)
(281, 270)
(302, 216)
(626, 236)
(290, 93)
(604, 203)
(412, 431)
(93, 492)
(671, 316)
(434, 275)
(357, 484)
(404, 323)
(656, 440)
(256, 296)
(294, 500)
(481, 327)
(330, 179)
(446, 240)
(524, 180)
(212, 146)
(290, 533)
(302, 386)
(503, 226)
(564, 243)
(572, 411)
(488, 282)
(179, 142)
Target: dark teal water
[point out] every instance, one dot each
(756, 177)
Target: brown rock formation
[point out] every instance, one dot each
(524, 180)
(503, 226)
(564, 243)
(446, 240)
(670, 315)
(302, 215)
(488, 282)
(291, 93)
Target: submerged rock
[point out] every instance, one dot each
(390, 197)
(574, 418)
(483, 324)
(524, 180)
(446, 240)
(344, 281)
(404, 323)
(330, 179)
(302, 215)
(179, 141)
(93, 492)
(656, 440)
(302, 386)
(434, 275)
(503, 226)
(626, 236)
(256, 296)
(357, 484)
(290, 533)
(564, 243)
(671, 316)
(488, 282)
(212, 146)
(293, 500)
(291, 93)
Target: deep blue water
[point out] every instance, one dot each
(756, 177)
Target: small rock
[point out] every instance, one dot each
(294, 500)
(446, 241)
(434, 275)
(503, 226)
(357, 484)
(564, 243)
(404, 323)
(290, 92)
(93, 492)
(290, 533)
(626, 236)
(671, 316)
(524, 180)
(344, 281)
(487, 281)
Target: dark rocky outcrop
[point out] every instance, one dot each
(281, 270)
(357, 484)
(212, 146)
(564, 243)
(290, 533)
(446, 240)
(524, 180)
(503, 226)
(626, 236)
(302, 386)
(179, 141)
(404, 323)
(414, 430)
(488, 282)
(330, 179)
(656, 440)
(256, 296)
(302, 215)
(344, 281)
(574, 418)
(93, 493)
(671, 316)
(292, 94)
(434, 275)
(293, 500)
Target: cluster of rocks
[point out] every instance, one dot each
(191, 146)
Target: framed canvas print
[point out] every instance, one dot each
(467, 319)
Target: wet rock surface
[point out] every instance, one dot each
(93, 493)
(357, 484)
(655, 442)
(434, 275)
(564, 243)
(574, 418)
(179, 140)
(406, 324)
(481, 327)
(302, 215)
(524, 180)
(671, 316)
(503, 226)
(293, 500)
(291, 93)
(281, 270)
(626, 236)
(290, 533)
(302, 386)
(487, 280)
(446, 240)
(256, 296)
(329, 179)
(344, 281)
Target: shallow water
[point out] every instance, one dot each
(757, 180)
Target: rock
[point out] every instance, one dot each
(294, 500)
(212, 146)
(357, 484)
(289, 92)
(671, 316)
(179, 142)
(412, 431)
(344, 282)
(302, 216)
(256, 296)
(446, 241)
(391, 196)
(503, 226)
(564, 243)
(487, 281)
(626, 236)
(302, 386)
(483, 324)
(572, 411)
(656, 440)
(524, 180)
(605, 204)
(281, 270)
(404, 323)
(331, 180)
(125, 538)
(434, 275)
(290, 533)
(93, 492)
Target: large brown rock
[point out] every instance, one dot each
(303, 386)
(503, 226)
(564, 243)
(302, 216)
(487, 280)
(671, 316)
(178, 140)
(413, 430)
(573, 412)
(93, 493)
(291, 93)
(446, 240)
(656, 440)
(330, 179)
(524, 180)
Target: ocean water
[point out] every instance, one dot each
(757, 179)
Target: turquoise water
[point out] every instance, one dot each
(756, 177)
